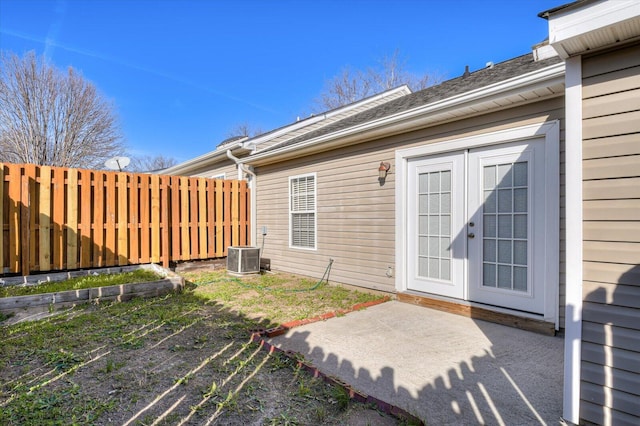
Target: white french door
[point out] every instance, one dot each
(476, 225)
(436, 253)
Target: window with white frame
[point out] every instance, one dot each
(218, 176)
(302, 211)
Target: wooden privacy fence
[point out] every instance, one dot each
(55, 218)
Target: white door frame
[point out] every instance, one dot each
(550, 132)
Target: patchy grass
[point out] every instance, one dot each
(275, 298)
(78, 283)
(179, 359)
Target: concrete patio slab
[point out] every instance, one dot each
(440, 367)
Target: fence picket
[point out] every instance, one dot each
(110, 231)
(165, 229)
(202, 218)
(98, 219)
(134, 225)
(59, 236)
(72, 219)
(193, 217)
(211, 228)
(219, 185)
(176, 251)
(54, 218)
(155, 218)
(2, 215)
(86, 206)
(44, 258)
(123, 219)
(184, 218)
(227, 216)
(145, 226)
(14, 217)
(31, 205)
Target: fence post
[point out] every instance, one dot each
(25, 229)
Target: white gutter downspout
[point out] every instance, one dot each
(252, 188)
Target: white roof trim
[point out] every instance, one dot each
(202, 160)
(574, 30)
(249, 144)
(402, 89)
(407, 119)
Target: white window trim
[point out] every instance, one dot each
(218, 176)
(315, 213)
(550, 131)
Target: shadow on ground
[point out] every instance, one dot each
(440, 367)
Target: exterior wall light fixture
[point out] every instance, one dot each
(383, 170)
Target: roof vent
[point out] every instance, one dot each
(466, 71)
(489, 65)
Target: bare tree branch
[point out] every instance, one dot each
(353, 85)
(49, 117)
(244, 129)
(148, 163)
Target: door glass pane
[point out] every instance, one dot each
(434, 203)
(445, 203)
(423, 246)
(520, 226)
(445, 180)
(445, 224)
(504, 225)
(520, 174)
(489, 225)
(434, 246)
(505, 201)
(520, 252)
(489, 274)
(489, 177)
(519, 278)
(505, 234)
(434, 268)
(434, 225)
(504, 277)
(434, 182)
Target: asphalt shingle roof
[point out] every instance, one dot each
(478, 79)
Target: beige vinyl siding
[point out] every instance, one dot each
(356, 215)
(610, 371)
(227, 167)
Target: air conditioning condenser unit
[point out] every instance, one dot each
(243, 260)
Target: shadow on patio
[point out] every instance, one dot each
(441, 367)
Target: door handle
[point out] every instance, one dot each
(471, 235)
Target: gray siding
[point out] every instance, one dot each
(610, 370)
(356, 215)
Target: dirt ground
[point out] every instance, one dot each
(179, 359)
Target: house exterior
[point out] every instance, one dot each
(599, 41)
(511, 191)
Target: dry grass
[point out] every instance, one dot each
(180, 359)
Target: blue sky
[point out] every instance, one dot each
(182, 74)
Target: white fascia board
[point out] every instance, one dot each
(404, 89)
(200, 161)
(407, 119)
(566, 25)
